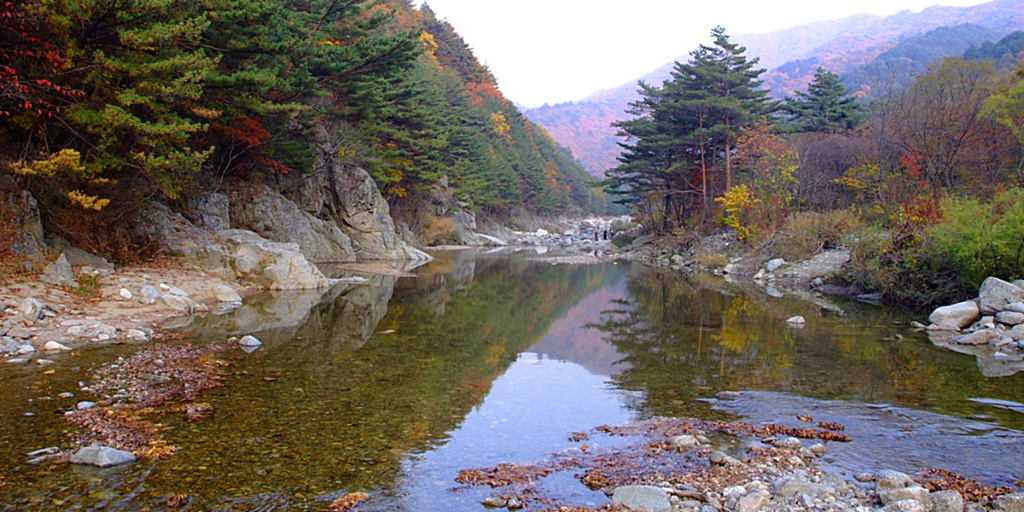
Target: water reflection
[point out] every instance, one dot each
(393, 385)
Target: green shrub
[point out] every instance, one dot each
(982, 239)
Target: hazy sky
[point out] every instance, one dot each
(553, 51)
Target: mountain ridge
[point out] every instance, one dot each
(584, 126)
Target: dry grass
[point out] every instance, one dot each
(433, 229)
(712, 260)
(805, 234)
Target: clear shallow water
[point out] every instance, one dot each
(393, 386)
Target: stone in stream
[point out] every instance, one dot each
(225, 293)
(982, 337)
(102, 456)
(947, 501)
(996, 295)
(683, 443)
(178, 303)
(642, 497)
(1009, 317)
(53, 345)
(889, 479)
(956, 316)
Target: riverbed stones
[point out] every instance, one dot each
(102, 456)
(1009, 502)
(19, 332)
(905, 506)
(59, 272)
(54, 346)
(947, 501)
(956, 316)
(889, 479)
(30, 309)
(914, 492)
(753, 501)
(1010, 317)
(642, 497)
(792, 485)
(249, 341)
(178, 303)
(683, 443)
(996, 295)
(92, 329)
(982, 337)
(224, 293)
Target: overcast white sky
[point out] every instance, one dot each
(553, 51)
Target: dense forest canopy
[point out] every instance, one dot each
(106, 103)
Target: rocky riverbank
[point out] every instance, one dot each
(681, 465)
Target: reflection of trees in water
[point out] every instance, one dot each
(685, 341)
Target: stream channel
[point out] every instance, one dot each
(392, 386)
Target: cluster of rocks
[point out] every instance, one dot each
(588, 232)
(806, 489)
(991, 326)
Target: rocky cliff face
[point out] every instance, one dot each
(23, 211)
(348, 196)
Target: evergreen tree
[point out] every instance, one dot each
(825, 107)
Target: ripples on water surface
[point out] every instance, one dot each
(393, 386)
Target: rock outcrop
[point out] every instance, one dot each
(276, 218)
(28, 227)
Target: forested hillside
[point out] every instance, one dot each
(923, 183)
(107, 104)
(790, 57)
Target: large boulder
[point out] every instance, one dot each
(232, 254)
(59, 272)
(277, 218)
(956, 316)
(996, 295)
(272, 265)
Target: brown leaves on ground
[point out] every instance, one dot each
(940, 480)
(835, 427)
(647, 459)
(177, 500)
(141, 386)
(347, 501)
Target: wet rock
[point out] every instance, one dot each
(956, 316)
(249, 341)
(819, 450)
(642, 497)
(85, 404)
(53, 345)
(722, 459)
(947, 501)
(30, 309)
(914, 492)
(682, 443)
(996, 295)
(792, 485)
(982, 337)
(905, 506)
(1010, 317)
(224, 293)
(44, 362)
(1009, 502)
(25, 350)
(754, 500)
(16, 360)
(494, 502)
(791, 443)
(514, 503)
(178, 303)
(102, 456)
(888, 479)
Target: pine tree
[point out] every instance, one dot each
(825, 107)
